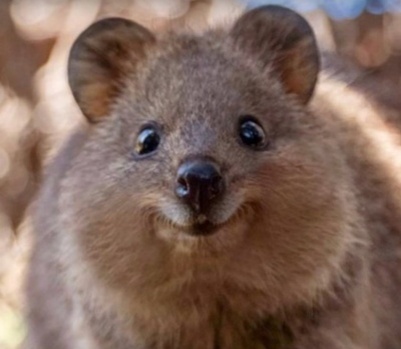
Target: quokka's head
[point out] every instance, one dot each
(204, 143)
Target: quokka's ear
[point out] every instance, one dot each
(101, 56)
(283, 42)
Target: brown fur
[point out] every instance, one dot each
(307, 250)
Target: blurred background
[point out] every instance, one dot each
(37, 110)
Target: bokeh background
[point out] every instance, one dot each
(37, 110)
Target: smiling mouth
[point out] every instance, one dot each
(199, 225)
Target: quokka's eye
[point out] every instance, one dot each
(251, 133)
(147, 141)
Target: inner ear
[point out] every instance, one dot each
(99, 59)
(283, 43)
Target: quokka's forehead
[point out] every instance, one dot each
(209, 70)
(195, 55)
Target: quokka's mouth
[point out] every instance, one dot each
(203, 226)
(189, 223)
(197, 227)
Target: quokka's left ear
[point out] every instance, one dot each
(283, 42)
(100, 58)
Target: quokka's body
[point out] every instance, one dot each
(215, 200)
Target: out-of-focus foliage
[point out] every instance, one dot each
(336, 9)
(37, 110)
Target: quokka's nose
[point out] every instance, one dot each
(199, 183)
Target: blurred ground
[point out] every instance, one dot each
(37, 110)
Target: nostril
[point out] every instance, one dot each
(216, 186)
(182, 189)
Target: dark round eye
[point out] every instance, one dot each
(148, 140)
(252, 134)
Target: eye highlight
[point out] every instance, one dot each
(147, 141)
(251, 133)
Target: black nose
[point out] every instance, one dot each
(199, 182)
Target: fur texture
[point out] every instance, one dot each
(306, 252)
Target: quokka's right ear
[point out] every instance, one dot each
(99, 59)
